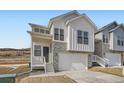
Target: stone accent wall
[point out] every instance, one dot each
(98, 48)
(58, 47)
(101, 48)
(105, 49)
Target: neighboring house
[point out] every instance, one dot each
(66, 42)
(109, 43)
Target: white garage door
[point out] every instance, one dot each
(67, 60)
(115, 59)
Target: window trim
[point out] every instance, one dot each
(86, 38)
(37, 29)
(62, 35)
(83, 37)
(105, 39)
(59, 34)
(34, 50)
(42, 30)
(79, 37)
(56, 34)
(118, 42)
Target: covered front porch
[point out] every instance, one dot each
(41, 50)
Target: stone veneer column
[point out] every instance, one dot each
(58, 47)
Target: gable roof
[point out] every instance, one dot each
(63, 15)
(112, 30)
(71, 12)
(85, 16)
(106, 26)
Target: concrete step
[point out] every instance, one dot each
(49, 67)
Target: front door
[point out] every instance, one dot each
(46, 53)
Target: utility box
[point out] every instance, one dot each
(7, 78)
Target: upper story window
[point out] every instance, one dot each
(56, 34)
(47, 32)
(59, 34)
(86, 38)
(105, 39)
(120, 41)
(79, 37)
(36, 29)
(37, 50)
(82, 37)
(41, 30)
(62, 34)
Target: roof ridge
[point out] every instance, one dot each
(73, 11)
(107, 25)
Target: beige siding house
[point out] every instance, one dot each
(65, 43)
(109, 41)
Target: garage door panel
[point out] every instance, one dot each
(115, 59)
(66, 60)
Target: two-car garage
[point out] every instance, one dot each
(67, 61)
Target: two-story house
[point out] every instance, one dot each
(67, 41)
(109, 43)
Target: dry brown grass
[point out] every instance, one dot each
(48, 79)
(10, 70)
(114, 71)
(9, 63)
(4, 70)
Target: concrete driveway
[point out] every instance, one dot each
(94, 77)
(87, 77)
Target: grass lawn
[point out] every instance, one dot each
(48, 79)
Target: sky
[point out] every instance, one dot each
(14, 24)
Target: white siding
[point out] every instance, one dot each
(67, 59)
(115, 59)
(60, 23)
(111, 42)
(119, 32)
(99, 36)
(42, 42)
(84, 25)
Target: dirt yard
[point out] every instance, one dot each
(15, 70)
(113, 71)
(48, 79)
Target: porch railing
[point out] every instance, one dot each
(101, 61)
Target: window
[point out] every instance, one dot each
(36, 29)
(37, 50)
(82, 37)
(62, 34)
(47, 32)
(41, 31)
(79, 37)
(118, 42)
(122, 43)
(59, 34)
(86, 38)
(105, 39)
(56, 34)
